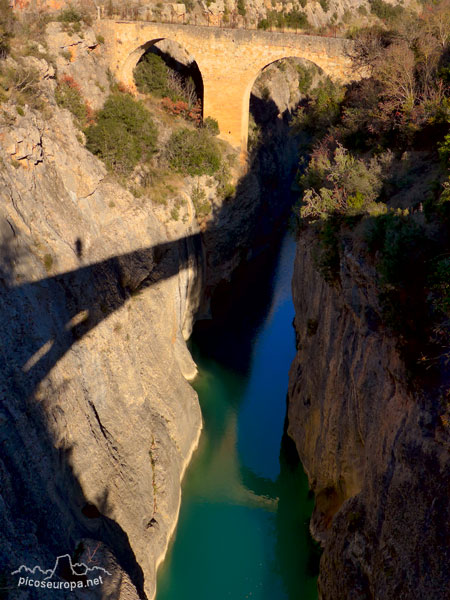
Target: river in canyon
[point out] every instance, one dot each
(243, 526)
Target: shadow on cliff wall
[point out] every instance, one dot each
(244, 301)
(79, 300)
(41, 513)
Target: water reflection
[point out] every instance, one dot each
(243, 530)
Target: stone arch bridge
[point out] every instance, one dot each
(229, 61)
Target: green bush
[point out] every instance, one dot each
(48, 262)
(323, 108)
(6, 27)
(193, 152)
(201, 204)
(444, 151)
(68, 95)
(211, 125)
(292, 20)
(153, 76)
(70, 15)
(337, 182)
(305, 77)
(124, 134)
(264, 24)
(241, 8)
(150, 75)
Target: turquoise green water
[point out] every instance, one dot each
(243, 527)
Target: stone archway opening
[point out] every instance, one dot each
(166, 70)
(278, 91)
(275, 95)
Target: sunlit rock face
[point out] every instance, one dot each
(96, 409)
(372, 443)
(97, 419)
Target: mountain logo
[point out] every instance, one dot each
(76, 575)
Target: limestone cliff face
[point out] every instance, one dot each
(98, 292)
(97, 420)
(374, 446)
(226, 12)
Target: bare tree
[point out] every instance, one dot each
(367, 51)
(184, 88)
(396, 70)
(428, 55)
(190, 92)
(175, 82)
(437, 22)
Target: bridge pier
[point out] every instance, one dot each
(227, 100)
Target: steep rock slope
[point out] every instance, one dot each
(375, 449)
(97, 419)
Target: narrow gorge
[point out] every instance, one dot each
(224, 366)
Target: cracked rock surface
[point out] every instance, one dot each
(372, 443)
(97, 420)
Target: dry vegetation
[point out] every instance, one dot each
(380, 170)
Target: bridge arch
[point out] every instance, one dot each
(133, 59)
(250, 86)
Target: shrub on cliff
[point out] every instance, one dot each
(337, 182)
(22, 83)
(211, 125)
(322, 108)
(68, 95)
(407, 91)
(74, 16)
(193, 152)
(124, 134)
(70, 15)
(201, 203)
(444, 151)
(280, 20)
(241, 8)
(151, 75)
(6, 27)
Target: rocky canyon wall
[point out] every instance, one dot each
(99, 288)
(374, 445)
(97, 419)
(98, 292)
